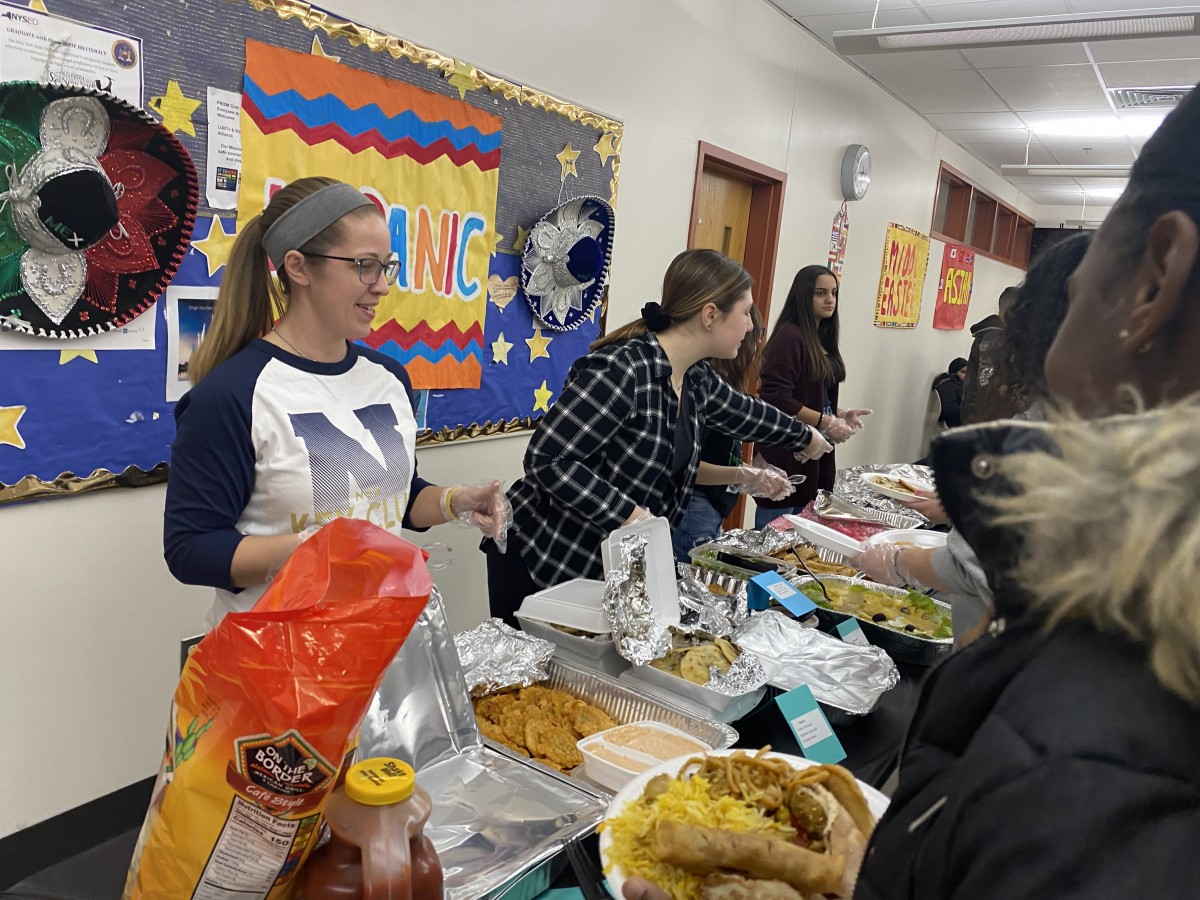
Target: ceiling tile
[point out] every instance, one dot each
(1145, 48)
(1075, 153)
(884, 64)
(988, 136)
(1009, 155)
(1087, 6)
(1152, 73)
(975, 121)
(824, 26)
(799, 9)
(992, 9)
(1048, 87)
(933, 92)
(1039, 55)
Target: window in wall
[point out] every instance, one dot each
(964, 213)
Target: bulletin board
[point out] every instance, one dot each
(74, 419)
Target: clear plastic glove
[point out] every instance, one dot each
(639, 514)
(817, 447)
(836, 429)
(854, 417)
(765, 481)
(883, 563)
(485, 507)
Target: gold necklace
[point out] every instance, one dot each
(299, 352)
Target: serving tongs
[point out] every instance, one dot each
(813, 576)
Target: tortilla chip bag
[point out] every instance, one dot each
(266, 716)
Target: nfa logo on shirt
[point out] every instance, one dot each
(380, 492)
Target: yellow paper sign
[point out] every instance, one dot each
(902, 278)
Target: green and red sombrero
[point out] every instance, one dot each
(97, 204)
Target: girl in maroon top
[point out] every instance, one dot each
(802, 369)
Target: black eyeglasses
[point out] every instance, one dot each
(369, 269)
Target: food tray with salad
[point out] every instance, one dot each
(909, 625)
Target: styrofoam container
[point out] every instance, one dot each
(824, 536)
(660, 565)
(577, 603)
(909, 537)
(615, 756)
(598, 653)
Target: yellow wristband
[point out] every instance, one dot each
(446, 499)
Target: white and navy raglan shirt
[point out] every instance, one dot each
(271, 443)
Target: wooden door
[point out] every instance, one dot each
(723, 214)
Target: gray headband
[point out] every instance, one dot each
(310, 217)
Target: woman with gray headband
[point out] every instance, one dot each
(290, 423)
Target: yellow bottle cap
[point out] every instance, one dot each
(380, 781)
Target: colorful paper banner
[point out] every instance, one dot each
(954, 288)
(839, 236)
(902, 278)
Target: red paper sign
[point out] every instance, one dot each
(954, 288)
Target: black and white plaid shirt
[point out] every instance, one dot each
(606, 447)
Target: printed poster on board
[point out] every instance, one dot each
(902, 278)
(954, 288)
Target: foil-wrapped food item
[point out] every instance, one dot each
(848, 486)
(495, 656)
(850, 677)
(639, 636)
(764, 542)
(700, 606)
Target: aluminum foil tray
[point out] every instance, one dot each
(705, 557)
(905, 648)
(624, 704)
(494, 817)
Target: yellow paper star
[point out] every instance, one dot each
(176, 109)
(463, 78)
(538, 345)
(9, 417)
(566, 159)
(500, 348)
(522, 236)
(65, 356)
(38, 5)
(216, 246)
(541, 398)
(318, 50)
(604, 147)
(492, 238)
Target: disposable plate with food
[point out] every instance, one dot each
(740, 823)
(909, 537)
(896, 488)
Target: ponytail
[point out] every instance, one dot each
(247, 305)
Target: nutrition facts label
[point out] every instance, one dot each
(249, 854)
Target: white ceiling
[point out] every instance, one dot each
(987, 100)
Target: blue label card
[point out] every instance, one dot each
(813, 733)
(769, 586)
(851, 632)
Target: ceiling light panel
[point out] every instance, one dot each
(1055, 29)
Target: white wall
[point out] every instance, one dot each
(92, 620)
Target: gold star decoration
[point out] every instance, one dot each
(318, 50)
(492, 238)
(65, 356)
(38, 5)
(538, 345)
(566, 158)
(604, 147)
(541, 398)
(176, 109)
(10, 416)
(463, 78)
(216, 247)
(522, 237)
(500, 348)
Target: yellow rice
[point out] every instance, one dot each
(633, 831)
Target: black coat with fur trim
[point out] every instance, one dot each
(1040, 764)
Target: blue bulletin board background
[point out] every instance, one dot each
(72, 421)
